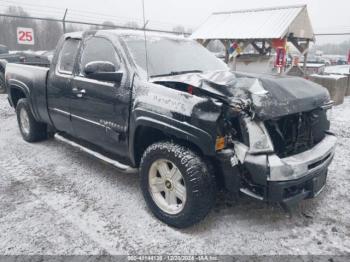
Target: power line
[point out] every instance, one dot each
(36, 5)
(88, 17)
(87, 23)
(36, 12)
(83, 13)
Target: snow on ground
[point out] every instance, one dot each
(55, 199)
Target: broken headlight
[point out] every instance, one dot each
(259, 138)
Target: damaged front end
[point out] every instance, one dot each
(283, 158)
(277, 141)
(280, 160)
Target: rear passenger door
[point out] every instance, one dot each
(59, 91)
(100, 109)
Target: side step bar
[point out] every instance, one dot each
(118, 165)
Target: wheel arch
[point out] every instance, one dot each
(149, 130)
(17, 92)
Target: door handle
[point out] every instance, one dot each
(79, 92)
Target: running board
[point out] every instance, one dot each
(120, 166)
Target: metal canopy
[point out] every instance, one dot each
(267, 23)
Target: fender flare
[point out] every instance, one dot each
(13, 83)
(181, 130)
(16, 84)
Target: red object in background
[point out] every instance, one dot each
(349, 57)
(190, 90)
(280, 57)
(278, 43)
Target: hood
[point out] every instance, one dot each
(269, 96)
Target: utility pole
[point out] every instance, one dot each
(306, 52)
(64, 21)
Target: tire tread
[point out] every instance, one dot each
(202, 183)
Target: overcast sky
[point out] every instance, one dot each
(326, 16)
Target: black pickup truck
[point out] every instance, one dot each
(177, 113)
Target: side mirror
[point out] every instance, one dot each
(103, 70)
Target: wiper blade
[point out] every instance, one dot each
(173, 73)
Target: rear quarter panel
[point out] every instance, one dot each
(31, 80)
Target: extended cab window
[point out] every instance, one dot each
(68, 55)
(98, 49)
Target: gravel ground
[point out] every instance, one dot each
(55, 199)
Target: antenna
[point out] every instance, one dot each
(144, 33)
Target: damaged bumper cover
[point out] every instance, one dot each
(301, 176)
(273, 179)
(303, 164)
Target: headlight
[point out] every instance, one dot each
(329, 114)
(259, 138)
(329, 109)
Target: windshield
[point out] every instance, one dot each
(171, 56)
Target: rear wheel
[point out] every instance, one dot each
(2, 83)
(176, 184)
(31, 130)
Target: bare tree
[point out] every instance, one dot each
(48, 34)
(132, 24)
(108, 24)
(334, 49)
(179, 29)
(8, 27)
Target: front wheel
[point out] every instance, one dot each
(31, 130)
(177, 184)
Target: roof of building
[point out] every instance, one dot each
(265, 23)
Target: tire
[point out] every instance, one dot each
(2, 83)
(199, 184)
(31, 130)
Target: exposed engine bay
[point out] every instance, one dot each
(298, 132)
(266, 113)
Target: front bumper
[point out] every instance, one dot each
(293, 191)
(303, 164)
(286, 180)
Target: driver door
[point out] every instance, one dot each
(96, 108)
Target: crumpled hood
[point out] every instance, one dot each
(270, 96)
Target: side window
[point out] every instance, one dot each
(68, 55)
(98, 49)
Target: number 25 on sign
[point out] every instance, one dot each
(25, 36)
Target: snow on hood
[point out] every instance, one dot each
(270, 96)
